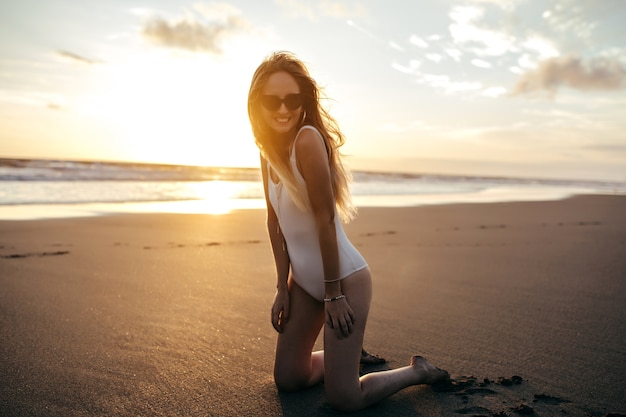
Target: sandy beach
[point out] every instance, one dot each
(168, 315)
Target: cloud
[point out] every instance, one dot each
(340, 9)
(454, 53)
(394, 45)
(193, 35)
(465, 30)
(609, 148)
(494, 92)
(366, 32)
(328, 8)
(419, 42)
(434, 57)
(481, 63)
(77, 58)
(443, 83)
(33, 98)
(411, 69)
(297, 8)
(573, 72)
(568, 17)
(504, 4)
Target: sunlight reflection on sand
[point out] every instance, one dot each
(52, 211)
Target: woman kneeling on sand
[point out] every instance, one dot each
(322, 279)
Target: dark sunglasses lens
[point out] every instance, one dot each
(293, 101)
(271, 103)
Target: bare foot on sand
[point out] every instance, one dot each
(428, 374)
(369, 359)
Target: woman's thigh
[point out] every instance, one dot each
(295, 343)
(342, 356)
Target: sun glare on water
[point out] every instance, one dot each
(208, 197)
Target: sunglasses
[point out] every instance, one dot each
(273, 103)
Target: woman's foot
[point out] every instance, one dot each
(369, 359)
(428, 374)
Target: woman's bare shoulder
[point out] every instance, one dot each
(309, 140)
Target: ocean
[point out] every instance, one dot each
(37, 188)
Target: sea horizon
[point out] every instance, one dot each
(42, 188)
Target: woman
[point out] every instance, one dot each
(322, 279)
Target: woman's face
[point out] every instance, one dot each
(281, 103)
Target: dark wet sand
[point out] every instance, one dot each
(168, 315)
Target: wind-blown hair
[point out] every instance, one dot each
(314, 115)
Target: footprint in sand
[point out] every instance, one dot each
(387, 232)
(501, 397)
(174, 245)
(548, 399)
(492, 226)
(34, 254)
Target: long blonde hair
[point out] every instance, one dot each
(314, 115)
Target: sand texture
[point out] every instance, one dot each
(169, 315)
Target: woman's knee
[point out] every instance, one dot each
(287, 380)
(343, 401)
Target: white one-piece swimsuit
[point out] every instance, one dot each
(300, 231)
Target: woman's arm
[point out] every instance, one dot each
(314, 166)
(280, 309)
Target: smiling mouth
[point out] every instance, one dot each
(282, 119)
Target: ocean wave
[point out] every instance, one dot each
(33, 181)
(58, 170)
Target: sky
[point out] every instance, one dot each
(527, 88)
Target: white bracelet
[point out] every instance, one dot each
(339, 297)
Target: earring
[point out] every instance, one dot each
(303, 117)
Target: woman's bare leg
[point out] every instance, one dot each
(296, 367)
(344, 389)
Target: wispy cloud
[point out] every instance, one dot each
(77, 58)
(325, 8)
(366, 32)
(33, 99)
(505, 4)
(466, 32)
(341, 9)
(567, 18)
(434, 57)
(417, 41)
(412, 68)
(613, 149)
(454, 53)
(573, 72)
(192, 34)
(441, 82)
(494, 92)
(539, 61)
(295, 8)
(481, 63)
(394, 45)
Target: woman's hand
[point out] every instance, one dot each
(280, 310)
(339, 317)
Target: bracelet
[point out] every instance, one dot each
(332, 280)
(339, 297)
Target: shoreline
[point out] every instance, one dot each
(167, 314)
(25, 212)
